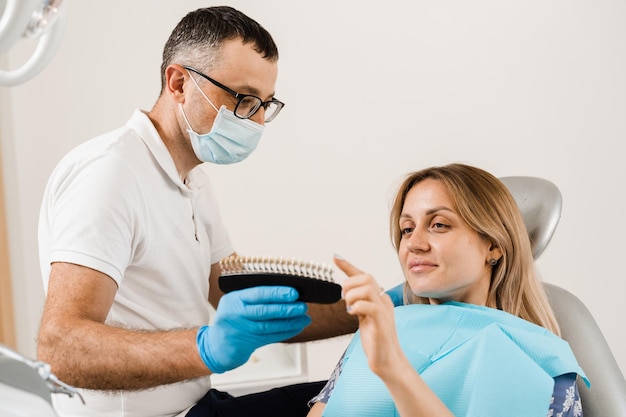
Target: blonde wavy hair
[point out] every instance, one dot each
(488, 207)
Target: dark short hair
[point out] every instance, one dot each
(205, 29)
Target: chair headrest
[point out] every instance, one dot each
(540, 202)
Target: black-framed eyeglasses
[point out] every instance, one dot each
(247, 104)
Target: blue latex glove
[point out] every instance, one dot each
(248, 319)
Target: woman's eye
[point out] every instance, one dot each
(406, 231)
(439, 226)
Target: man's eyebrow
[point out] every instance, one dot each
(252, 91)
(247, 87)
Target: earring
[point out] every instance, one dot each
(492, 261)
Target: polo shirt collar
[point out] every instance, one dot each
(141, 123)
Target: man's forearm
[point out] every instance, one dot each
(329, 320)
(87, 354)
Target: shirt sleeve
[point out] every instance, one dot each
(326, 392)
(94, 213)
(565, 398)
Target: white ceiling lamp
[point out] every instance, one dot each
(36, 19)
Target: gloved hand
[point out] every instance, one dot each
(248, 319)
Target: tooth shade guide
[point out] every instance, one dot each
(313, 280)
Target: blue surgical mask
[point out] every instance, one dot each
(230, 140)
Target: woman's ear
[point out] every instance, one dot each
(494, 253)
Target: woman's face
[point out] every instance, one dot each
(442, 257)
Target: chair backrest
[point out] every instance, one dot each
(540, 202)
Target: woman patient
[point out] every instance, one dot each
(476, 336)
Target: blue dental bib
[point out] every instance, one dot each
(480, 361)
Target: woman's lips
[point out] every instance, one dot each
(421, 266)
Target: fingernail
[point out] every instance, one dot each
(338, 257)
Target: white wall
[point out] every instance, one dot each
(373, 90)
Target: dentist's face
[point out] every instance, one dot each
(242, 69)
(441, 256)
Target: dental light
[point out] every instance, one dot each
(36, 19)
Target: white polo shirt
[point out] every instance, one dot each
(116, 204)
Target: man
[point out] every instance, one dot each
(130, 237)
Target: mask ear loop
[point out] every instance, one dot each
(180, 105)
(201, 92)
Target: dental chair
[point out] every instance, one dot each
(540, 202)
